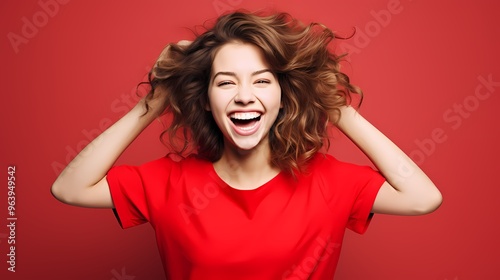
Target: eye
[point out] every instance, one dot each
(224, 83)
(262, 82)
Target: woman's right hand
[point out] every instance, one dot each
(164, 55)
(158, 101)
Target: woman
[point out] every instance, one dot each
(253, 196)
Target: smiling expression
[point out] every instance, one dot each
(244, 95)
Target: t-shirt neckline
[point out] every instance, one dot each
(260, 188)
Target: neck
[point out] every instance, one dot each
(246, 169)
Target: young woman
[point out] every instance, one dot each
(254, 196)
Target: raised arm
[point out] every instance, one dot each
(83, 181)
(407, 190)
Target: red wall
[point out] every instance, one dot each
(429, 70)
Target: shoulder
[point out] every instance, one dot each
(323, 162)
(168, 165)
(169, 160)
(343, 180)
(336, 172)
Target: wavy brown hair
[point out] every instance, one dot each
(313, 87)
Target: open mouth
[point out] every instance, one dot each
(245, 120)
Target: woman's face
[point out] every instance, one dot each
(244, 95)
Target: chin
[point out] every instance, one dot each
(247, 143)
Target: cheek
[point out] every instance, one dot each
(216, 102)
(276, 99)
(211, 104)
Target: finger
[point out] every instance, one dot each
(184, 43)
(164, 53)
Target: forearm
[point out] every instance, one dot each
(94, 161)
(393, 163)
(398, 169)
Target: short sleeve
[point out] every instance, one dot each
(127, 191)
(368, 183)
(349, 190)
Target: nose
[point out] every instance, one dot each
(245, 95)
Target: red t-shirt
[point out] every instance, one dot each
(285, 229)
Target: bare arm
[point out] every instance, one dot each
(83, 181)
(407, 190)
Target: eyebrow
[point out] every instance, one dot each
(234, 74)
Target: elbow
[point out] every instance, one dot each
(58, 193)
(429, 204)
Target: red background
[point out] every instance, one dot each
(77, 73)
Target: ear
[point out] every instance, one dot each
(207, 107)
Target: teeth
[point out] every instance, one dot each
(249, 128)
(245, 115)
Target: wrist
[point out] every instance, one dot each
(142, 114)
(346, 115)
